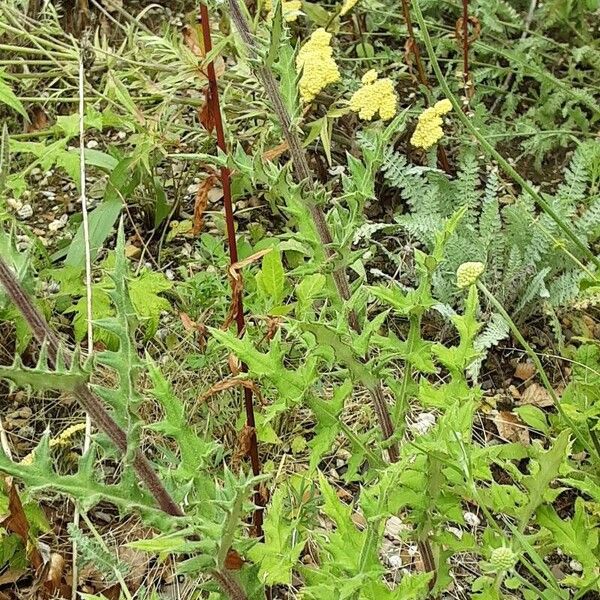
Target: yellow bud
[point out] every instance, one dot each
(468, 273)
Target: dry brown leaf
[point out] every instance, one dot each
(233, 560)
(234, 364)
(206, 114)
(227, 384)
(16, 522)
(193, 40)
(511, 428)
(187, 322)
(276, 152)
(38, 119)
(137, 563)
(524, 371)
(202, 202)
(359, 520)
(237, 284)
(54, 573)
(537, 395)
(243, 446)
(11, 576)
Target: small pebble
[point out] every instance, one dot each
(472, 519)
(424, 423)
(576, 566)
(395, 561)
(92, 144)
(16, 205)
(25, 211)
(58, 223)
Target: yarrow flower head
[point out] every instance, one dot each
(429, 126)
(375, 96)
(468, 273)
(315, 62)
(290, 9)
(347, 6)
(502, 559)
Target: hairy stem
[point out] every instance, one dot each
(465, 45)
(89, 401)
(215, 107)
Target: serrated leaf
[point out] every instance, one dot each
(144, 292)
(8, 97)
(271, 278)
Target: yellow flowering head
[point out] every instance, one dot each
(347, 6)
(468, 273)
(369, 77)
(443, 107)
(315, 63)
(289, 9)
(429, 125)
(375, 96)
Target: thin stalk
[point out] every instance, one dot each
(465, 45)
(423, 79)
(215, 107)
(541, 371)
(490, 150)
(414, 332)
(88, 291)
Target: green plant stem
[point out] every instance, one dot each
(541, 371)
(414, 332)
(490, 150)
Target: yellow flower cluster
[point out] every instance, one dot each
(429, 127)
(315, 62)
(63, 439)
(375, 96)
(289, 9)
(347, 6)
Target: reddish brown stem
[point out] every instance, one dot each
(423, 79)
(465, 43)
(215, 108)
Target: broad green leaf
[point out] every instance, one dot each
(101, 223)
(148, 304)
(271, 279)
(283, 544)
(533, 416)
(577, 536)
